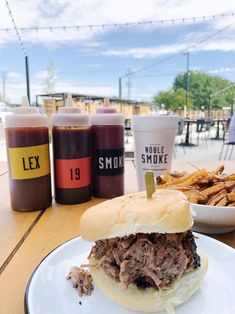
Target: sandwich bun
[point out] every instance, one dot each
(167, 211)
(150, 300)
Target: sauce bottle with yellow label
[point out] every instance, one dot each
(27, 142)
(71, 154)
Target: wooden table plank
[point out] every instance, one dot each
(13, 225)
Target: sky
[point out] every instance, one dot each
(90, 60)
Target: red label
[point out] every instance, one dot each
(73, 173)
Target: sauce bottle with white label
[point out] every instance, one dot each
(27, 143)
(107, 131)
(71, 154)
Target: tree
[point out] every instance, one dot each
(49, 81)
(173, 99)
(203, 87)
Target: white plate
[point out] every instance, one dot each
(213, 219)
(48, 291)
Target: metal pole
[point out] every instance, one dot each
(209, 107)
(27, 77)
(187, 81)
(120, 87)
(232, 105)
(3, 86)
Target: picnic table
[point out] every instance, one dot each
(26, 238)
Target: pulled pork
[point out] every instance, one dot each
(81, 280)
(147, 260)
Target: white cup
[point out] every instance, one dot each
(154, 138)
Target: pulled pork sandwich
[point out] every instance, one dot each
(144, 256)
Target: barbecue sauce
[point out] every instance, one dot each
(72, 164)
(107, 132)
(71, 154)
(27, 144)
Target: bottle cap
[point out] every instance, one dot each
(106, 108)
(26, 116)
(69, 106)
(107, 115)
(69, 115)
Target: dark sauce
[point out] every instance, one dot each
(29, 194)
(72, 143)
(108, 138)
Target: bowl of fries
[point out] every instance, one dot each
(211, 194)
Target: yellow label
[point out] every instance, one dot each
(29, 162)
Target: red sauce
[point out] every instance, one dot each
(29, 194)
(108, 160)
(72, 164)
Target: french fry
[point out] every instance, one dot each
(202, 187)
(177, 174)
(216, 198)
(219, 170)
(223, 202)
(168, 178)
(231, 197)
(195, 196)
(214, 189)
(230, 177)
(188, 179)
(229, 184)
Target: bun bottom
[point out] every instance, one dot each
(150, 300)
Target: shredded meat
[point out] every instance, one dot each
(81, 280)
(147, 260)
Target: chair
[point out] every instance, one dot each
(228, 138)
(179, 134)
(203, 127)
(127, 125)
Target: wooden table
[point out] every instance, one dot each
(26, 238)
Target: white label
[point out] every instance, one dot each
(153, 152)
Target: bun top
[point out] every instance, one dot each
(167, 211)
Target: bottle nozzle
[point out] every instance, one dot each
(106, 102)
(69, 101)
(70, 106)
(25, 107)
(25, 101)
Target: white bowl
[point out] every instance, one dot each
(213, 219)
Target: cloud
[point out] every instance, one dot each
(158, 51)
(222, 70)
(14, 75)
(39, 13)
(143, 52)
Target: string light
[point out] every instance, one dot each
(16, 29)
(223, 91)
(126, 24)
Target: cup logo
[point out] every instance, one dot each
(154, 154)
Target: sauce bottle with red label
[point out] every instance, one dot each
(71, 154)
(27, 143)
(107, 131)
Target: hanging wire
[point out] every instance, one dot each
(92, 27)
(16, 29)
